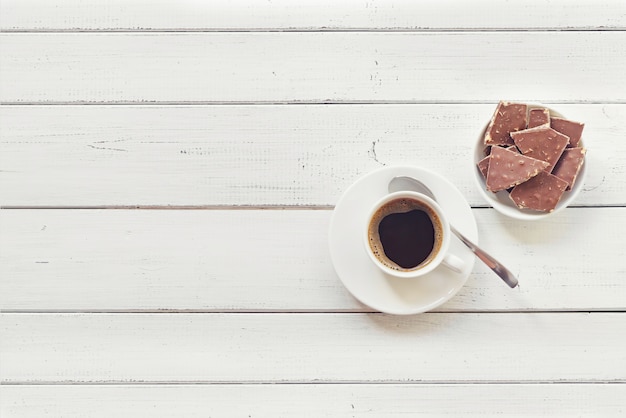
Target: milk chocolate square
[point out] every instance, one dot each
(538, 117)
(509, 168)
(542, 143)
(508, 117)
(574, 130)
(483, 165)
(569, 165)
(542, 192)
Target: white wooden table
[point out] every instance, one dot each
(168, 171)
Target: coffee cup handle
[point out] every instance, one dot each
(453, 262)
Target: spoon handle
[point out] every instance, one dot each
(504, 273)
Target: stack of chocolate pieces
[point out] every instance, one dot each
(531, 154)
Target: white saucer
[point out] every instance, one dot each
(358, 273)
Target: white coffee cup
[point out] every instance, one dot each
(407, 235)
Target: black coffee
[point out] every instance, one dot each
(403, 234)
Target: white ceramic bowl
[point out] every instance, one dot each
(501, 201)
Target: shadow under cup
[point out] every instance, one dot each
(407, 235)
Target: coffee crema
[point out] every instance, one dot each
(405, 234)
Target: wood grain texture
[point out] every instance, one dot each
(308, 15)
(275, 261)
(304, 155)
(229, 107)
(312, 348)
(312, 400)
(313, 67)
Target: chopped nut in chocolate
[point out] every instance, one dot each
(508, 117)
(542, 143)
(538, 117)
(542, 192)
(483, 165)
(573, 130)
(569, 165)
(509, 168)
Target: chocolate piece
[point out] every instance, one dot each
(541, 192)
(569, 165)
(574, 130)
(542, 143)
(508, 117)
(538, 117)
(508, 168)
(483, 165)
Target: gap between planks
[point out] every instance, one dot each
(313, 383)
(316, 29)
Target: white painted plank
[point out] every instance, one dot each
(312, 348)
(311, 400)
(259, 155)
(308, 15)
(256, 260)
(313, 67)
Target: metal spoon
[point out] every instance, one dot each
(409, 183)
